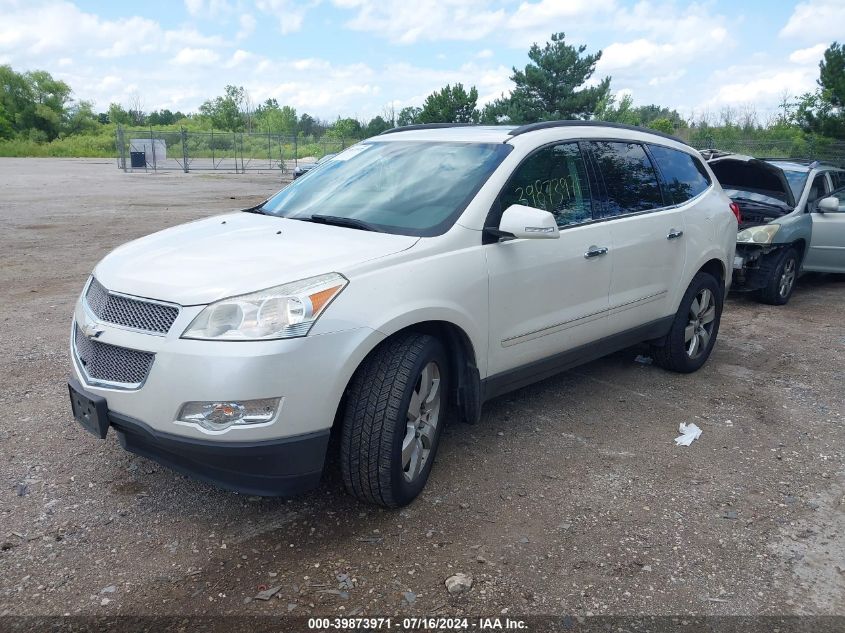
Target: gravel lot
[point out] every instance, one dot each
(568, 497)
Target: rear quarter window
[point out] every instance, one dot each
(684, 176)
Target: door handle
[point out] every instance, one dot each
(674, 234)
(595, 251)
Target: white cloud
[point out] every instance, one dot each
(484, 54)
(531, 15)
(34, 31)
(290, 14)
(671, 37)
(810, 55)
(247, 26)
(816, 20)
(195, 57)
(209, 8)
(239, 57)
(764, 86)
(194, 7)
(409, 22)
(667, 79)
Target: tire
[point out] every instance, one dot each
(689, 342)
(781, 283)
(386, 456)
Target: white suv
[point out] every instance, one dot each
(409, 279)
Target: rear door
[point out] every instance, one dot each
(548, 296)
(827, 242)
(647, 234)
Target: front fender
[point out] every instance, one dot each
(794, 228)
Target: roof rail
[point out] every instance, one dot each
(543, 125)
(425, 126)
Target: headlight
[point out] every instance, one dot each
(758, 234)
(284, 311)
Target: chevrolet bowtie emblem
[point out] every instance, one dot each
(91, 330)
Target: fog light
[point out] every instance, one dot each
(219, 416)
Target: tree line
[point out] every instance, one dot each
(556, 83)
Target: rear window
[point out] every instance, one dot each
(684, 176)
(630, 182)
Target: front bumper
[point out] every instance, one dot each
(271, 468)
(309, 375)
(281, 467)
(754, 266)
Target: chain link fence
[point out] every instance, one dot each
(809, 148)
(239, 152)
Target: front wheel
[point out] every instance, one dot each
(395, 412)
(689, 342)
(781, 283)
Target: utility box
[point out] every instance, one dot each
(137, 160)
(155, 150)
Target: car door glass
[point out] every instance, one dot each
(684, 177)
(553, 179)
(629, 178)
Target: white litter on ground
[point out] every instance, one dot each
(688, 433)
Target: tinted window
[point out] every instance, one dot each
(553, 179)
(629, 178)
(684, 177)
(406, 187)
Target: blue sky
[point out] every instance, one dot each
(363, 57)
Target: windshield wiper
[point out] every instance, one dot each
(259, 208)
(336, 220)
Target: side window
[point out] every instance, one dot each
(629, 177)
(684, 176)
(553, 179)
(818, 190)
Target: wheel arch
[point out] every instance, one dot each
(714, 267)
(465, 392)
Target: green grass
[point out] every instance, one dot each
(94, 146)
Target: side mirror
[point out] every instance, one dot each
(829, 205)
(528, 223)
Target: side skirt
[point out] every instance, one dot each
(519, 377)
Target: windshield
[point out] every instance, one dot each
(406, 187)
(796, 180)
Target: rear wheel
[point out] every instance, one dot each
(781, 283)
(394, 416)
(689, 342)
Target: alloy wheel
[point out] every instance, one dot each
(702, 315)
(423, 417)
(787, 278)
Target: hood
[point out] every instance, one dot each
(208, 260)
(735, 171)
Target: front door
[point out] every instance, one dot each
(548, 296)
(827, 242)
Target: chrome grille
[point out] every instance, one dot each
(132, 313)
(110, 363)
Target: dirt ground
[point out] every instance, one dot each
(568, 497)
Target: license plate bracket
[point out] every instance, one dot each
(90, 410)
